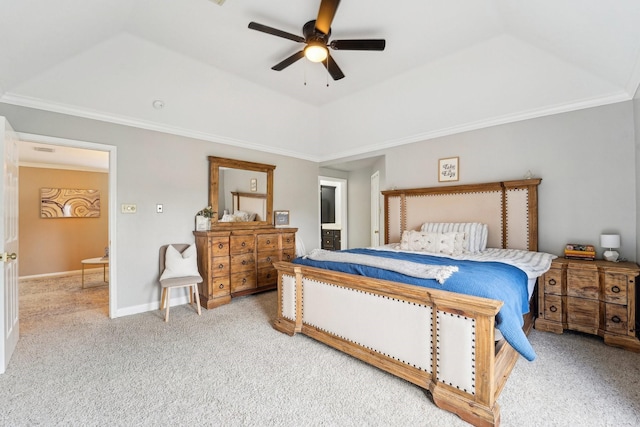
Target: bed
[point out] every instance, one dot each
(442, 341)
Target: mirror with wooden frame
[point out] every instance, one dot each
(240, 193)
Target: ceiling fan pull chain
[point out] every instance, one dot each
(327, 67)
(304, 71)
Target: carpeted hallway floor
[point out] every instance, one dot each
(229, 367)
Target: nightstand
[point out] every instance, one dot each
(595, 297)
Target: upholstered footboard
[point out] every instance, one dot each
(440, 341)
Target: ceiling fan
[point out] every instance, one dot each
(316, 37)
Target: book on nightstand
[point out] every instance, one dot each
(580, 251)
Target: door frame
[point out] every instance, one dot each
(112, 150)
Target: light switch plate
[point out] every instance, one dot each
(127, 208)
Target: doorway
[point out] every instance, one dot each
(333, 213)
(78, 153)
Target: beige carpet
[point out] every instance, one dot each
(229, 367)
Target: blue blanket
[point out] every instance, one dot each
(493, 280)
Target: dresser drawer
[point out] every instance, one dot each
(243, 262)
(553, 308)
(267, 276)
(583, 282)
(615, 287)
(241, 244)
(220, 266)
(616, 318)
(219, 247)
(288, 240)
(288, 255)
(219, 287)
(266, 259)
(243, 281)
(267, 242)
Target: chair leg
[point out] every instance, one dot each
(195, 290)
(168, 302)
(163, 297)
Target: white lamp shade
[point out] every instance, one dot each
(611, 241)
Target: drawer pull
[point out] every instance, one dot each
(244, 262)
(220, 246)
(616, 319)
(288, 240)
(221, 266)
(615, 289)
(268, 275)
(552, 282)
(553, 309)
(268, 242)
(244, 280)
(268, 259)
(221, 286)
(243, 244)
(288, 256)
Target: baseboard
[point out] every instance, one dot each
(143, 308)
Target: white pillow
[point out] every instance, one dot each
(436, 243)
(477, 233)
(178, 264)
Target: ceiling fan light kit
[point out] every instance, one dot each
(316, 37)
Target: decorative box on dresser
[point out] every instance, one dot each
(240, 261)
(595, 297)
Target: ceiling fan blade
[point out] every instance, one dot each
(275, 32)
(325, 15)
(333, 68)
(290, 60)
(370, 44)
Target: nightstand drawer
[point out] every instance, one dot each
(552, 280)
(583, 282)
(553, 308)
(616, 319)
(583, 314)
(615, 287)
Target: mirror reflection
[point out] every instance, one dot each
(242, 195)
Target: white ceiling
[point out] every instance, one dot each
(468, 63)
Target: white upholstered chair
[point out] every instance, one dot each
(179, 269)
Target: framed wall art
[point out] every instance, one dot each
(448, 169)
(69, 203)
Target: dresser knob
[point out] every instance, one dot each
(616, 319)
(243, 244)
(615, 289)
(268, 259)
(221, 266)
(244, 280)
(244, 262)
(553, 309)
(221, 286)
(268, 242)
(552, 282)
(220, 246)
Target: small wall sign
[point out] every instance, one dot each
(448, 169)
(281, 218)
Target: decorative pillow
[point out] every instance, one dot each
(477, 233)
(229, 218)
(244, 216)
(436, 243)
(178, 264)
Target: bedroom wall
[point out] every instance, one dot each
(152, 168)
(636, 113)
(58, 245)
(586, 158)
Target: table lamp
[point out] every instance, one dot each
(611, 241)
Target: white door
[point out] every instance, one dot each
(375, 209)
(8, 243)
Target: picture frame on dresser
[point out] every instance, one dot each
(281, 218)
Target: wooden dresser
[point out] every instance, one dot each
(239, 261)
(595, 297)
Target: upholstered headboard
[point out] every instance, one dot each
(250, 202)
(509, 208)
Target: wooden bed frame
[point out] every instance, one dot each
(441, 341)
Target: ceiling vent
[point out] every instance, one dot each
(44, 149)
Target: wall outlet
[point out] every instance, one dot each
(159, 208)
(129, 209)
